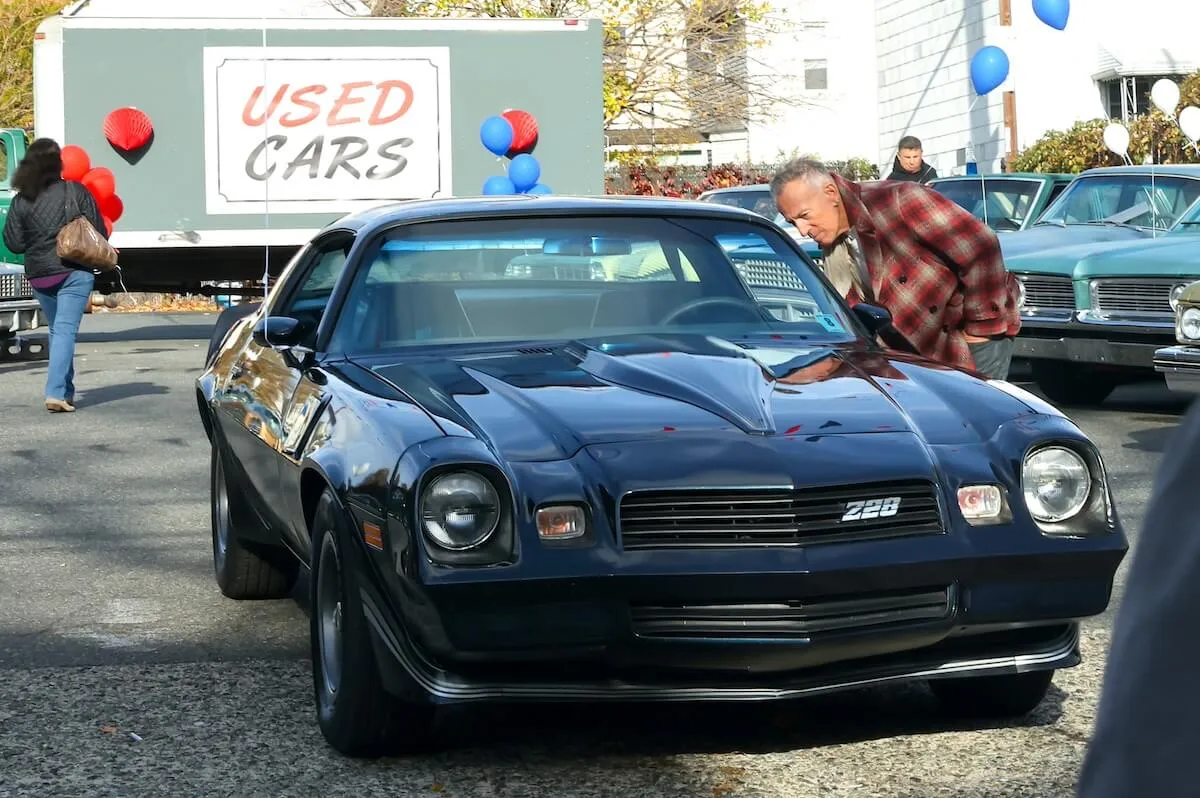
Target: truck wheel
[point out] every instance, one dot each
(243, 572)
(357, 715)
(1010, 696)
(1071, 384)
(224, 323)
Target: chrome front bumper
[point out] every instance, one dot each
(1181, 367)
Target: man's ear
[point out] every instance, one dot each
(831, 190)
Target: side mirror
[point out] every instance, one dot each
(873, 317)
(277, 331)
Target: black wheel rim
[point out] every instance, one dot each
(329, 612)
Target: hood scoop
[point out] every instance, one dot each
(723, 378)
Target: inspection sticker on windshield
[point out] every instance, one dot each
(830, 323)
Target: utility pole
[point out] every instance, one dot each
(1010, 97)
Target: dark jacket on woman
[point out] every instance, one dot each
(32, 226)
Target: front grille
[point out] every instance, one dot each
(764, 273)
(1048, 293)
(792, 620)
(740, 518)
(1134, 296)
(15, 286)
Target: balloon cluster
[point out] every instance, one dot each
(513, 135)
(1165, 96)
(989, 65)
(99, 180)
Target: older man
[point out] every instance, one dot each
(934, 266)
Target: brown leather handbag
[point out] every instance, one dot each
(80, 242)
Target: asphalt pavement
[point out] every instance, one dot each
(124, 672)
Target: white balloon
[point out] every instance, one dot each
(1189, 122)
(1116, 138)
(1165, 95)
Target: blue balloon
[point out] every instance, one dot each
(989, 68)
(524, 171)
(1053, 12)
(540, 188)
(496, 133)
(498, 184)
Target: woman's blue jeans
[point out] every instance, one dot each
(63, 306)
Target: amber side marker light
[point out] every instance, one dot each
(372, 535)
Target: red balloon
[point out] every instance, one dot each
(128, 129)
(76, 162)
(111, 207)
(108, 226)
(100, 182)
(525, 131)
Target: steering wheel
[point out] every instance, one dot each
(703, 302)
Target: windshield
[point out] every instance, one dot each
(1008, 204)
(557, 279)
(758, 200)
(1135, 200)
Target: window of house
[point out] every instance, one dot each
(815, 75)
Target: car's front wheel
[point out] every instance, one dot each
(355, 712)
(1071, 384)
(1009, 696)
(243, 571)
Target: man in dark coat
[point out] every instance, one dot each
(935, 267)
(910, 162)
(1147, 737)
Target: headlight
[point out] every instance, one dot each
(459, 510)
(1056, 483)
(1174, 297)
(1189, 324)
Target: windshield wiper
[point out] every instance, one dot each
(1055, 222)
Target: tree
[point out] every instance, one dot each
(17, 26)
(673, 63)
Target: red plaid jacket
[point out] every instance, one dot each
(933, 265)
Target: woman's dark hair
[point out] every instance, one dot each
(41, 166)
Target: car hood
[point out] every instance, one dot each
(1176, 255)
(1048, 237)
(1063, 259)
(546, 404)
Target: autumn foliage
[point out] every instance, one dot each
(18, 22)
(647, 179)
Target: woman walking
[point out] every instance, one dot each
(43, 205)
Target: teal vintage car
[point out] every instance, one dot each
(1008, 202)
(1097, 272)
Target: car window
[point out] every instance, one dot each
(555, 279)
(1140, 200)
(310, 298)
(3, 162)
(1002, 203)
(758, 200)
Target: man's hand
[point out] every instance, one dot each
(975, 339)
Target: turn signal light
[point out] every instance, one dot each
(980, 502)
(561, 522)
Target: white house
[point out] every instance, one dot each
(1101, 65)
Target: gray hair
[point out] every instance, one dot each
(810, 169)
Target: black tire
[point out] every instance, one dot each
(357, 715)
(224, 323)
(1010, 696)
(243, 571)
(1070, 384)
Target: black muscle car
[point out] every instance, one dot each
(561, 449)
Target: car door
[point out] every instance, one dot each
(263, 379)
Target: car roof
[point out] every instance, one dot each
(1005, 176)
(452, 208)
(1171, 170)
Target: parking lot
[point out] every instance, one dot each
(123, 671)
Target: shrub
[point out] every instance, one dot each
(648, 179)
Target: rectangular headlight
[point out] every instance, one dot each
(981, 505)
